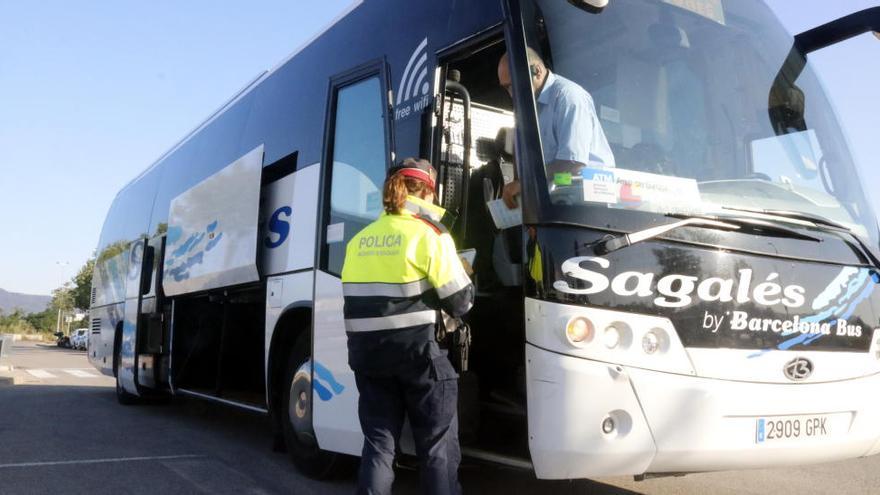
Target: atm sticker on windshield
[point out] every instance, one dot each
(600, 185)
(641, 191)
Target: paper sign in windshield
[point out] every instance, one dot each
(600, 185)
(641, 190)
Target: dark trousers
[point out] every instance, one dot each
(428, 394)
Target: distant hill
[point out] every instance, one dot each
(26, 302)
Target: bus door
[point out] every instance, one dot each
(137, 284)
(152, 340)
(473, 143)
(356, 153)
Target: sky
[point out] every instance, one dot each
(92, 92)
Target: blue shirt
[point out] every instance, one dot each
(570, 129)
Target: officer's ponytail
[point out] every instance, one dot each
(397, 187)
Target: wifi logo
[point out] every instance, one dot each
(415, 77)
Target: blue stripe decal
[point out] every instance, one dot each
(322, 374)
(832, 305)
(838, 300)
(322, 392)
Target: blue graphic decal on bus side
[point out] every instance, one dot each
(190, 243)
(174, 234)
(326, 375)
(837, 302)
(279, 227)
(213, 242)
(181, 272)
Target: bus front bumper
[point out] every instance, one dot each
(657, 422)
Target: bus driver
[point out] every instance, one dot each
(571, 135)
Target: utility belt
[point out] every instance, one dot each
(454, 335)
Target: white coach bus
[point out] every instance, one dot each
(708, 303)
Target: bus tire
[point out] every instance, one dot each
(299, 435)
(123, 397)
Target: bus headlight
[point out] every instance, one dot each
(611, 337)
(618, 334)
(650, 343)
(579, 331)
(656, 340)
(614, 337)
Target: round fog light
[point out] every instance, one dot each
(650, 343)
(579, 331)
(611, 337)
(656, 340)
(608, 425)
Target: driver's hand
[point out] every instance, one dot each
(509, 193)
(467, 266)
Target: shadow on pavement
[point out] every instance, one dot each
(41, 347)
(40, 424)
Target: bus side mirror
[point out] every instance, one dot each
(786, 102)
(591, 6)
(864, 21)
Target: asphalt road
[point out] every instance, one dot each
(62, 431)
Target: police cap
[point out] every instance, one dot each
(415, 169)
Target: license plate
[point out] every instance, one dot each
(782, 428)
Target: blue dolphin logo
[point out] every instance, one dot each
(322, 374)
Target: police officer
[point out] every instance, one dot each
(399, 271)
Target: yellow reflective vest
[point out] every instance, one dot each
(398, 272)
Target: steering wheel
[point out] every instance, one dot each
(567, 195)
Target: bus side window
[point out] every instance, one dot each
(358, 167)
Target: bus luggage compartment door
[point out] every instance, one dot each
(213, 230)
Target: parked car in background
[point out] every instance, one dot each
(62, 340)
(79, 338)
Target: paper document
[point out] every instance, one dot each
(503, 217)
(469, 255)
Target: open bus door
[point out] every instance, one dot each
(473, 151)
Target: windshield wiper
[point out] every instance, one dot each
(870, 255)
(796, 215)
(615, 243)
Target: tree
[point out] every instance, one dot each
(62, 298)
(62, 302)
(15, 322)
(81, 292)
(43, 321)
(71, 295)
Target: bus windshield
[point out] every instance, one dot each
(691, 113)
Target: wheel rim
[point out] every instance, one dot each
(299, 408)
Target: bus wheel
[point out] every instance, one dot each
(299, 435)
